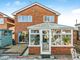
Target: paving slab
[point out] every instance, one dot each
(15, 49)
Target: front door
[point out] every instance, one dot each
(46, 42)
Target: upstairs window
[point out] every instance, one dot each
(24, 18)
(1, 21)
(48, 18)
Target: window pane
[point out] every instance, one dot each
(56, 40)
(66, 39)
(35, 39)
(30, 18)
(23, 36)
(1, 21)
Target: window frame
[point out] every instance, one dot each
(48, 16)
(61, 34)
(23, 20)
(30, 33)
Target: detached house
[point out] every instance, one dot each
(39, 24)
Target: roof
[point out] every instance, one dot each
(49, 26)
(14, 13)
(4, 15)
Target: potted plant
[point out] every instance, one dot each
(66, 40)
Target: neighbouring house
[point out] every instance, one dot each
(76, 38)
(77, 33)
(39, 24)
(7, 22)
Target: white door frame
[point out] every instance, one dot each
(41, 39)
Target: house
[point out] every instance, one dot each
(6, 27)
(7, 23)
(76, 39)
(39, 24)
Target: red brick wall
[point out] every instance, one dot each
(3, 26)
(34, 50)
(37, 14)
(10, 20)
(75, 36)
(54, 50)
(1, 16)
(60, 50)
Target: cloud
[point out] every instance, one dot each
(17, 2)
(76, 11)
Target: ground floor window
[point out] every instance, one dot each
(60, 37)
(23, 36)
(55, 36)
(34, 37)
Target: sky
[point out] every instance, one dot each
(69, 9)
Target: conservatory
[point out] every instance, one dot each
(50, 38)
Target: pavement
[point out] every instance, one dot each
(58, 57)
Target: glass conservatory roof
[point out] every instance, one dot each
(49, 26)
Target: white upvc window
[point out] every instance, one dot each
(25, 18)
(1, 21)
(48, 18)
(61, 38)
(34, 38)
